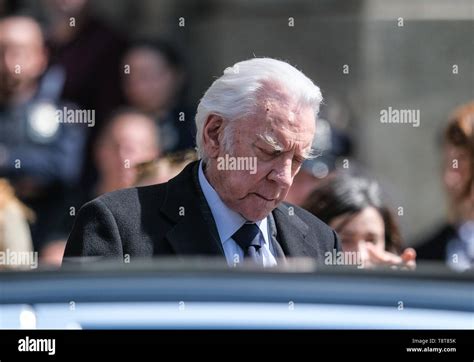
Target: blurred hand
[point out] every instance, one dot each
(373, 256)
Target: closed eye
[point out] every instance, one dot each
(274, 153)
(299, 159)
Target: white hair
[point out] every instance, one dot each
(234, 95)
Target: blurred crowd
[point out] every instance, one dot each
(124, 122)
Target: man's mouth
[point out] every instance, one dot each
(264, 198)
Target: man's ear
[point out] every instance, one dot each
(213, 127)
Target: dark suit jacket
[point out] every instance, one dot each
(174, 219)
(435, 246)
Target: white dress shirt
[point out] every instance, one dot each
(228, 222)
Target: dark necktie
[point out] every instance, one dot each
(248, 238)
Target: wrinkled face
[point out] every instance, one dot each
(456, 171)
(130, 140)
(271, 146)
(366, 226)
(151, 84)
(22, 55)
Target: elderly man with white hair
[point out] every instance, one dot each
(255, 127)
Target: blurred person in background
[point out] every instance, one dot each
(85, 56)
(84, 65)
(453, 241)
(40, 155)
(163, 169)
(333, 144)
(153, 81)
(353, 207)
(262, 113)
(14, 217)
(129, 139)
(8, 7)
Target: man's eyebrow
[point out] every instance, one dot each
(312, 153)
(271, 141)
(277, 146)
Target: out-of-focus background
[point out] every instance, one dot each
(366, 56)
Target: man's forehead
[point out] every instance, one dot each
(280, 108)
(288, 120)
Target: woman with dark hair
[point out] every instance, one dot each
(353, 207)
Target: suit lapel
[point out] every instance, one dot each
(277, 249)
(291, 233)
(195, 231)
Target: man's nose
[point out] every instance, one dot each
(282, 173)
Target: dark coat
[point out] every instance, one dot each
(174, 219)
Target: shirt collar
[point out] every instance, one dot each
(227, 220)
